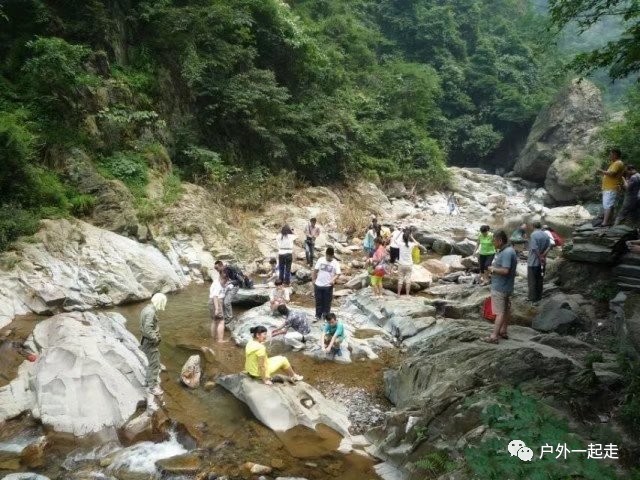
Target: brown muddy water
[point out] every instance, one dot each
(225, 428)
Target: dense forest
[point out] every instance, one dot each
(243, 94)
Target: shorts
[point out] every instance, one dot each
(404, 273)
(609, 198)
(376, 281)
(485, 262)
(277, 363)
(500, 302)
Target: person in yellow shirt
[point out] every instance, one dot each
(258, 365)
(611, 179)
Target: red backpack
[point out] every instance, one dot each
(557, 238)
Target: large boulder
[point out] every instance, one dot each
(568, 123)
(251, 297)
(465, 247)
(561, 313)
(421, 278)
(75, 266)
(282, 407)
(565, 218)
(89, 375)
(436, 267)
(572, 177)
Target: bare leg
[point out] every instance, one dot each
(505, 324)
(409, 287)
(399, 287)
(220, 331)
(606, 221)
(497, 327)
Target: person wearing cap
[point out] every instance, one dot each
(150, 343)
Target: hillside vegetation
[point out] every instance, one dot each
(256, 95)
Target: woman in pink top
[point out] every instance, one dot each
(377, 266)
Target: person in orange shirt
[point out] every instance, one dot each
(611, 179)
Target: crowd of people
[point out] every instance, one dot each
(386, 253)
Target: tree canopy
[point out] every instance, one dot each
(238, 90)
(620, 56)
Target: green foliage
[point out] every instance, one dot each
(593, 357)
(518, 416)
(172, 189)
(129, 167)
(82, 204)
(15, 222)
(624, 133)
(630, 409)
(436, 464)
(603, 291)
(622, 55)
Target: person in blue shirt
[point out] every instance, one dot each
(503, 276)
(539, 246)
(333, 334)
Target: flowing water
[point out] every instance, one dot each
(223, 426)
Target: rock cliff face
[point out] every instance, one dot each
(567, 125)
(88, 377)
(76, 266)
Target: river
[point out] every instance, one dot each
(225, 429)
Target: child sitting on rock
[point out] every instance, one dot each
(279, 296)
(333, 335)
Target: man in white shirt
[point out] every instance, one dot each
(324, 276)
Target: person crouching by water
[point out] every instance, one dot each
(258, 365)
(149, 344)
(298, 322)
(333, 335)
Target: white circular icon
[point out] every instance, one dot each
(514, 446)
(525, 454)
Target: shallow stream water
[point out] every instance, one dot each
(223, 425)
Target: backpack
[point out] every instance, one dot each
(238, 278)
(557, 239)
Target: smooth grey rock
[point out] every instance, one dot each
(89, 375)
(560, 313)
(284, 406)
(251, 297)
(465, 247)
(75, 266)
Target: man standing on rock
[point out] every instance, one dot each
(539, 246)
(311, 232)
(611, 179)
(149, 345)
(503, 275)
(324, 277)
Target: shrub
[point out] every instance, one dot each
(521, 417)
(82, 205)
(172, 189)
(129, 167)
(15, 222)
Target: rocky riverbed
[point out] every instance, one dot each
(403, 380)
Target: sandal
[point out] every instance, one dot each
(490, 340)
(504, 335)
